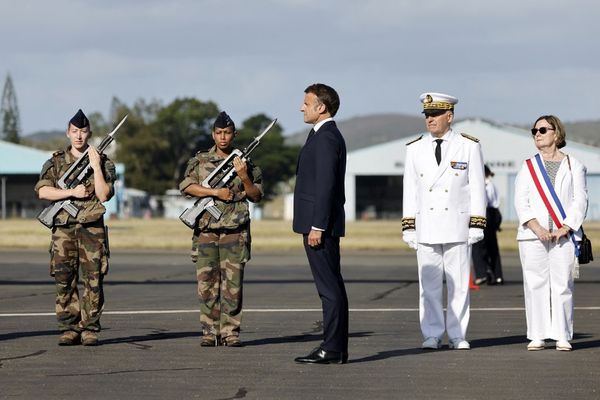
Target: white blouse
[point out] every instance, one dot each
(571, 189)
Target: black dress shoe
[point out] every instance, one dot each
(321, 356)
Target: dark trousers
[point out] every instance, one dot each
(324, 263)
(486, 254)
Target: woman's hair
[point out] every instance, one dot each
(559, 129)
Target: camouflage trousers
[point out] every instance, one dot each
(220, 257)
(73, 247)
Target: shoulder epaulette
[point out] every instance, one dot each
(473, 138)
(202, 153)
(416, 140)
(58, 153)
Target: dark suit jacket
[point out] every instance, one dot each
(319, 193)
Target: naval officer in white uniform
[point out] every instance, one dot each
(443, 215)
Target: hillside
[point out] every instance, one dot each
(373, 129)
(46, 140)
(359, 132)
(587, 132)
(51, 140)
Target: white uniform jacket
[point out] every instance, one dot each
(443, 198)
(571, 189)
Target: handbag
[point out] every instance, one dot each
(585, 245)
(585, 249)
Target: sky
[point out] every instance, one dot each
(507, 61)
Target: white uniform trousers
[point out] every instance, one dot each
(435, 260)
(548, 284)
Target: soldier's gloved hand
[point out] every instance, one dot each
(475, 235)
(410, 238)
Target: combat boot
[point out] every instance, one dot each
(68, 338)
(209, 341)
(232, 341)
(89, 338)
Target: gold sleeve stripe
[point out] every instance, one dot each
(477, 222)
(408, 223)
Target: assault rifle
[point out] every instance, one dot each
(77, 173)
(219, 178)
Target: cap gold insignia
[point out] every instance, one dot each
(428, 99)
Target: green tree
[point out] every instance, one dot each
(137, 143)
(186, 125)
(9, 113)
(157, 141)
(276, 159)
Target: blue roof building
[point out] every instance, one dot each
(19, 171)
(20, 168)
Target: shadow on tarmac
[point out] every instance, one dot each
(18, 335)
(498, 341)
(151, 337)
(509, 340)
(586, 345)
(298, 338)
(491, 342)
(382, 355)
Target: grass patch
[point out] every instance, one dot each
(163, 234)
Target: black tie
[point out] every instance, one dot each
(438, 151)
(310, 134)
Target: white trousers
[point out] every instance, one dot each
(435, 260)
(548, 285)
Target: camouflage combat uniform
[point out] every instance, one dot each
(79, 242)
(220, 249)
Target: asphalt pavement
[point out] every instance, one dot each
(150, 342)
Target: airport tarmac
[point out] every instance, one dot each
(150, 342)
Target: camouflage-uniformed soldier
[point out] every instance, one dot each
(221, 248)
(79, 242)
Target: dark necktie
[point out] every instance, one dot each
(438, 151)
(310, 134)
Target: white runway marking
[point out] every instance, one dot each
(274, 310)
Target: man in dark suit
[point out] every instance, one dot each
(319, 216)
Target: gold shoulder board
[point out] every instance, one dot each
(473, 138)
(416, 140)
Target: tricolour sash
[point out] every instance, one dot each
(548, 194)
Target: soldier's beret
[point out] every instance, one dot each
(79, 120)
(223, 121)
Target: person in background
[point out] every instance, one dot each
(486, 254)
(551, 202)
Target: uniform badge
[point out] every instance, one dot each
(458, 164)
